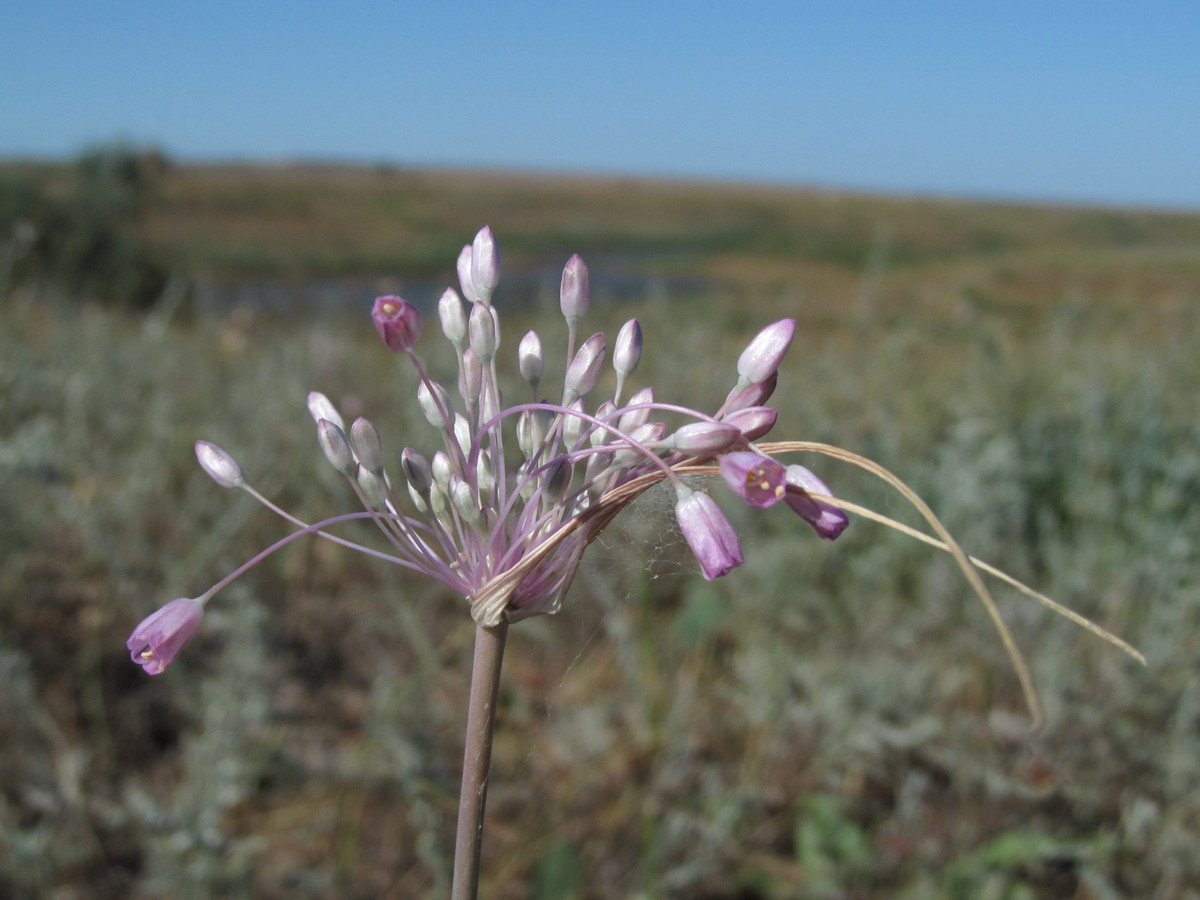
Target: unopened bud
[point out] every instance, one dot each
(585, 368)
(753, 421)
(483, 332)
(368, 447)
(752, 395)
(434, 403)
(320, 407)
(485, 264)
(465, 279)
(764, 353)
(635, 417)
(628, 350)
(574, 294)
(464, 501)
(336, 448)
(470, 376)
(704, 437)
(529, 354)
(555, 482)
(416, 470)
(442, 470)
(601, 435)
(453, 318)
(374, 488)
(219, 465)
(573, 424)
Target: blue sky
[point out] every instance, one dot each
(1095, 102)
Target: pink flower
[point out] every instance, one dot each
(826, 519)
(759, 480)
(397, 321)
(708, 533)
(161, 635)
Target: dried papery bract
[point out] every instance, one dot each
(504, 500)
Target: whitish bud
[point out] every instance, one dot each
(374, 488)
(470, 376)
(485, 264)
(442, 470)
(462, 433)
(434, 403)
(573, 294)
(465, 279)
(573, 425)
(628, 350)
(368, 447)
(483, 474)
(319, 407)
(453, 318)
(464, 501)
(635, 417)
(336, 448)
(600, 435)
(529, 354)
(219, 465)
(764, 353)
(704, 437)
(482, 328)
(585, 368)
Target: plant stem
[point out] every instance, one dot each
(477, 758)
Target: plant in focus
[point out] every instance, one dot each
(503, 508)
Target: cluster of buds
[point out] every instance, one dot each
(503, 509)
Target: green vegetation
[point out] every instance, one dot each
(830, 720)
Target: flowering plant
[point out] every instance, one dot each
(503, 510)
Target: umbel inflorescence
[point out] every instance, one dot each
(505, 506)
(503, 509)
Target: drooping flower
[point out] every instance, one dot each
(759, 480)
(708, 533)
(161, 635)
(826, 519)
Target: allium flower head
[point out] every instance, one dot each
(502, 501)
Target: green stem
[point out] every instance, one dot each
(477, 758)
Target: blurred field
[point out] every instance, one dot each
(829, 721)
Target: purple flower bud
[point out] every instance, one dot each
(397, 321)
(336, 447)
(759, 480)
(635, 417)
(160, 636)
(470, 376)
(628, 350)
(320, 408)
(763, 354)
(485, 264)
(753, 421)
(529, 354)
(416, 470)
(752, 395)
(704, 437)
(368, 447)
(574, 295)
(483, 332)
(220, 466)
(434, 403)
(708, 533)
(826, 519)
(453, 318)
(465, 279)
(585, 368)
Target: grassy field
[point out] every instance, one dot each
(828, 721)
